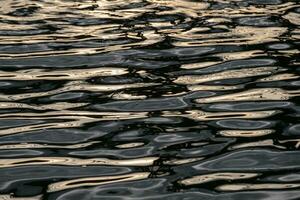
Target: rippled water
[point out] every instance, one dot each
(149, 99)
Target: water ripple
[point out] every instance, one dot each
(149, 99)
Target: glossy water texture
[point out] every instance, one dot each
(149, 99)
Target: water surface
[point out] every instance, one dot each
(149, 99)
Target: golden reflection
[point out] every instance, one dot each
(240, 35)
(199, 65)
(71, 119)
(74, 74)
(76, 86)
(295, 34)
(217, 176)
(240, 55)
(59, 106)
(51, 125)
(46, 146)
(246, 133)
(125, 96)
(54, 106)
(257, 186)
(182, 161)
(293, 17)
(69, 161)
(71, 115)
(289, 52)
(95, 32)
(261, 94)
(263, 143)
(279, 77)
(130, 145)
(95, 181)
(249, 10)
(199, 115)
(213, 87)
(229, 74)
(149, 37)
(10, 197)
(189, 8)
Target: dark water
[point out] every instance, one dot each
(149, 99)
